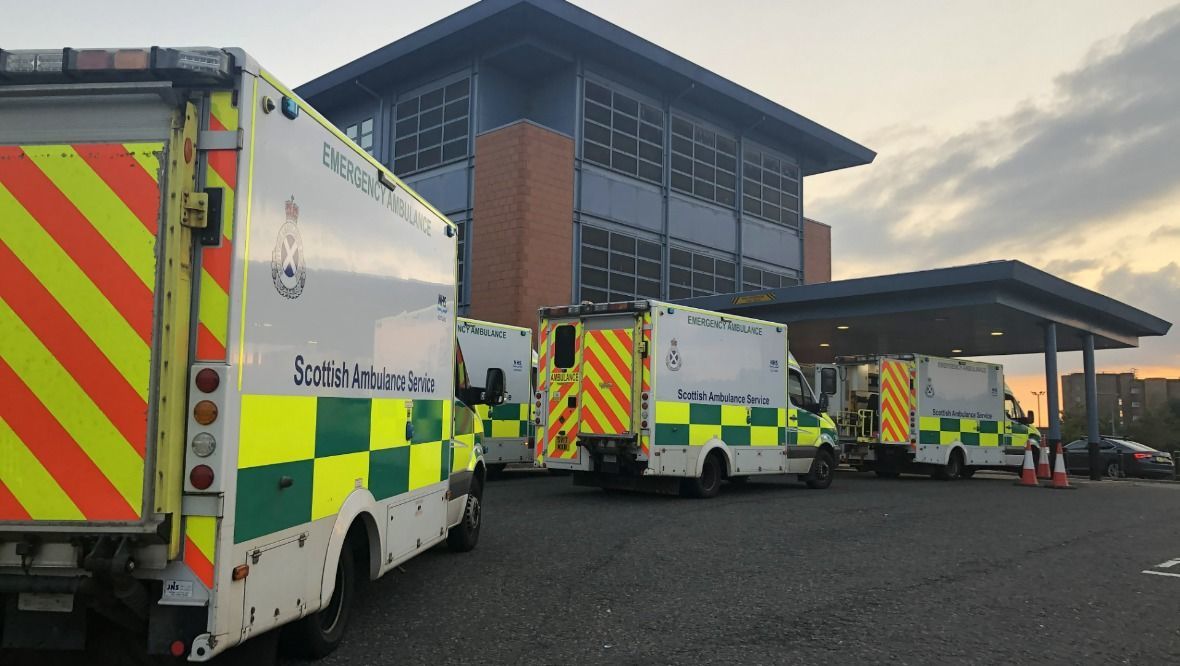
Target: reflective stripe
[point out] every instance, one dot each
(200, 546)
(607, 358)
(895, 401)
(123, 345)
(118, 459)
(31, 485)
(222, 172)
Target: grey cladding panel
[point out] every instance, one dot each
(446, 191)
(78, 119)
(617, 199)
(702, 224)
(771, 243)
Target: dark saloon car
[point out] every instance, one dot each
(1121, 457)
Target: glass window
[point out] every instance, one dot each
(704, 162)
(565, 346)
(755, 279)
(432, 128)
(770, 187)
(362, 134)
(795, 388)
(618, 267)
(462, 263)
(696, 274)
(622, 133)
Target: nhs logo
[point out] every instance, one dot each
(517, 365)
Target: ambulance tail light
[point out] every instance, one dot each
(204, 457)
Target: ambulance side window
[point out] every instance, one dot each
(564, 347)
(1012, 408)
(795, 389)
(462, 379)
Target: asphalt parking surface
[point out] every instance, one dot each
(906, 571)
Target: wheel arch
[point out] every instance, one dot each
(354, 519)
(708, 449)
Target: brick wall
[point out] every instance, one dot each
(522, 225)
(817, 252)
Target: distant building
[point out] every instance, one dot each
(817, 252)
(583, 162)
(1123, 398)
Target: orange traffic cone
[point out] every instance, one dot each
(1060, 476)
(1028, 475)
(1043, 463)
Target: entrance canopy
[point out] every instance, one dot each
(987, 309)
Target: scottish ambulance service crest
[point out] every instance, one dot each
(288, 269)
(673, 359)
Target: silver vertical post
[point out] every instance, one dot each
(1053, 437)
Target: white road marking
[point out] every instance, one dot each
(1169, 564)
(1160, 573)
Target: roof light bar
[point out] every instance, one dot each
(188, 66)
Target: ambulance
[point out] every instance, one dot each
(227, 359)
(913, 413)
(655, 396)
(507, 427)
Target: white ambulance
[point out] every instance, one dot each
(652, 395)
(914, 413)
(227, 357)
(508, 426)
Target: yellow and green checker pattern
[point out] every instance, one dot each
(972, 432)
(507, 421)
(694, 424)
(299, 457)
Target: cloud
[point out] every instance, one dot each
(1165, 232)
(1105, 144)
(1157, 292)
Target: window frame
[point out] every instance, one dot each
(701, 147)
(643, 252)
(460, 123)
(611, 133)
(787, 170)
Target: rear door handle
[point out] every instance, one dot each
(571, 402)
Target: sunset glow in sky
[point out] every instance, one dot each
(1037, 130)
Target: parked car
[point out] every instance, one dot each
(1121, 457)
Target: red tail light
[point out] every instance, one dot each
(207, 380)
(1141, 456)
(201, 477)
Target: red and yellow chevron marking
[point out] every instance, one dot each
(539, 439)
(895, 401)
(608, 358)
(200, 546)
(644, 438)
(213, 327)
(77, 275)
(563, 423)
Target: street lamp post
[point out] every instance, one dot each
(1038, 394)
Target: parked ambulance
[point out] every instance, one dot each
(227, 358)
(651, 395)
(946, 417)
(508, 426)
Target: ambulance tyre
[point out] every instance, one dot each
(463, 537)
(316, 636)
(708, 484)
(823, 468)
(952, 470)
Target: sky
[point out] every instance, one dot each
(1037, 130)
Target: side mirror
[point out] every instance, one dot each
(823, 402)
(827, 381)
(1030, 418)
(494, 387)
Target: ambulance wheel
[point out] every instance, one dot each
(708, 484)
(316, 636)
(823, 468)
(952, 470)
(463, 537)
